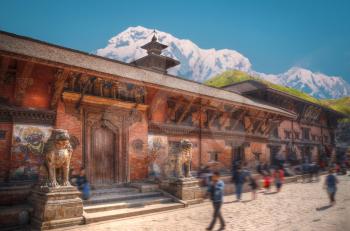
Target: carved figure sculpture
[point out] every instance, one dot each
(186, 151)
(57, 154)
(183, 161)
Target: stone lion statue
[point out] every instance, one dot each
(183, 162)
(57, 154)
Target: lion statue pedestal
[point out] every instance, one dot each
(183, 185)
(56, 205)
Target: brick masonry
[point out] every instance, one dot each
(38, 96)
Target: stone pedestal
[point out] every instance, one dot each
(55, 207)
(186, 189)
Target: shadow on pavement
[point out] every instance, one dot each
(270, 193)
(323, 208)
(247, 201)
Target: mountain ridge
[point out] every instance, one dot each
(233, 76)
(201, 64)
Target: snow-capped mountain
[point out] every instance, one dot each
(200, 64)
(196, 63)
(317, 84)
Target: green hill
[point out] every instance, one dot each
(235, 76)
(342, 104)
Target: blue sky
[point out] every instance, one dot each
(274, 34)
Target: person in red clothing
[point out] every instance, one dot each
(267, 182)
(279, 178)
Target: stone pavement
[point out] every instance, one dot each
(300, 206)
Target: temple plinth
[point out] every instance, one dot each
(56, 207)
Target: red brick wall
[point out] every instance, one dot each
(39, 94)
(137, 158)
(157, 101)
(73, 125)
(5, 151)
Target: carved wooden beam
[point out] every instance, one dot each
(240, 117)
(185, 112)
(249, 127)
(227, 117)
(270, 125)
(173, 110)
(84, 87)
(261, 123)
(268, 128)
(301, 112)
(213, 117)
(61, 77)
(23, 81)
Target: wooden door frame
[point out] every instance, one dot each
(116, 155)
(116, 120)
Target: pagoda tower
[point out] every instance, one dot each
(154, 59)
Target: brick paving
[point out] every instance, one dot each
(298, 207)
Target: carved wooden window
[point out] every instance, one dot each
(238, 154)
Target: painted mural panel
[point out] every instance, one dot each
(27, 150)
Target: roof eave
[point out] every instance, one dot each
(52, 54)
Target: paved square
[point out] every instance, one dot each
(298, 207)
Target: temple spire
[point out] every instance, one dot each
(154, 38)
(154, 59)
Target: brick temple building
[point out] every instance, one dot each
(115, 112)
(308, 138)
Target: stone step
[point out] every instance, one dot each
(135, 203)
(15, 215)
(108, 186)
(105, 198)
(128, 212)
(114, 190)
(14, 194)
(145, 187)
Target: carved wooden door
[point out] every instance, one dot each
(238, 154)
(103, 156)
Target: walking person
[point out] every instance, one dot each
(254, 185)
(266, 168)
(331, 184)
(235, 166)
(239, 182)
(267, 182)
(279, 179)
(83, 184)
(216, 192)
